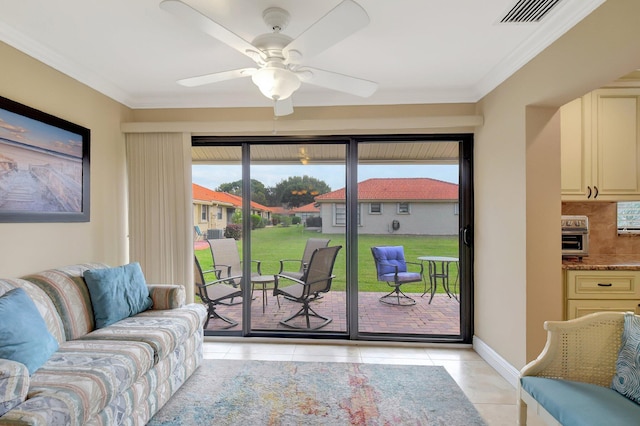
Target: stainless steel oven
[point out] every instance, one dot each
(575, 236)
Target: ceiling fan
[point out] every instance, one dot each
(278, 57)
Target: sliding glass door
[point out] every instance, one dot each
(407, 197)
(287, 224)
(408, 245)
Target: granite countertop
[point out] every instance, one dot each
(603, 263)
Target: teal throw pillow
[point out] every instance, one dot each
(24, 336)
(117, 293)
(627, 378)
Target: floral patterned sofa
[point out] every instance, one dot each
(120, 374)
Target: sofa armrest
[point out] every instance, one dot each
(166, 296)
(584, 349)
(14, 384)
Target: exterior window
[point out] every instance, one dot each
(404, 208)
(375, 208)
(340, 214)
(204, 213)
(219, 213)
(456, 209)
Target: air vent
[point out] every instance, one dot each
(529, 11)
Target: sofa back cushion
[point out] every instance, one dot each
(44, 304)
(70, 295)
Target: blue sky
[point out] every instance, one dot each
(25, 130)
(211, 176)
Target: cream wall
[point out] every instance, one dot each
(27, 247)
(517, 181)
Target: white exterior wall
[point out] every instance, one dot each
(427, 218)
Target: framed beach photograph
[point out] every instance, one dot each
(44, 166)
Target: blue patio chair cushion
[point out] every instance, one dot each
(387, 259)
(403, 277)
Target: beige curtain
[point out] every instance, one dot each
(160, 203)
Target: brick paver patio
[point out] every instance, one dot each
(441, 317)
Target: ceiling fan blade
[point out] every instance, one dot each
(339, 82)
(339, 23)
(196, 19)
(283, 107)
(216, 77)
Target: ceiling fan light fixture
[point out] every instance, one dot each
(276, 83)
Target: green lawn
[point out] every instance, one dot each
(269, 245)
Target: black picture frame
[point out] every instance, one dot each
(44, 166)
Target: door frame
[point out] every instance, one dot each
(465, 235)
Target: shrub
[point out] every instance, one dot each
(256, 221)
(286, 221)
(296, 220)
(314, 222)
(233, 230)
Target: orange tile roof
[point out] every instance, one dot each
(280, 210)
(308, 208)
(398, 189)
(205, 194)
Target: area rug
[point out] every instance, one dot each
(229, 392)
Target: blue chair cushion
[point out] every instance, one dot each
(387, 259)
(403, 277)
(581, 404)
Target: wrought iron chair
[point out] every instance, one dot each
(309, 248)
(391, 267)
(315, 280)
(214, 292)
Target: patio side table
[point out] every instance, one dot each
(443, 275)
(264, 281)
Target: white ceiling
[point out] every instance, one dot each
(418, 51)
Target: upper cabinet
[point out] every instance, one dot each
(600, 148)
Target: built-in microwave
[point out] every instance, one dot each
(575, 236)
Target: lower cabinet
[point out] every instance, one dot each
(589, 291)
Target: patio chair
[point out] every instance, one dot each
(315, 280)
(391, 267)
(309, 248)
(214, 292)
(226, 259)
(197, 233)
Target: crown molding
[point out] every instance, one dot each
(560, 21)
(28, 46)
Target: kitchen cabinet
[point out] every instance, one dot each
(589, 291)
(600, 146)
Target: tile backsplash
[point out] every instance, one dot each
(603, 233)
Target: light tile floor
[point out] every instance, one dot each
(492, 395)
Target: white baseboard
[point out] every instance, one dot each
(506, 370)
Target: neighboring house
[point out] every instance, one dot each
(281, 211)
(412, 206)
(214, 210)
(306, 211)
